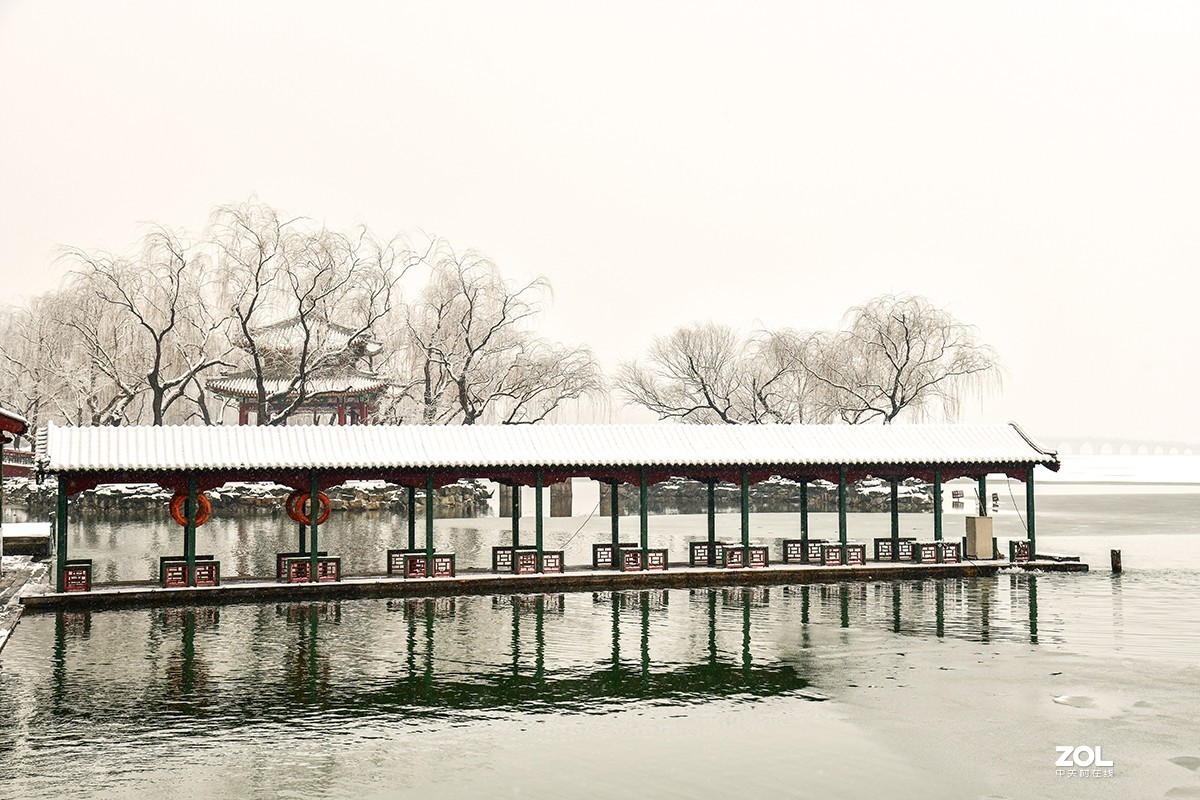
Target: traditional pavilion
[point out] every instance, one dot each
(342, 383)
(311, 459)
(10, 423)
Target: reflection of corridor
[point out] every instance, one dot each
(464, 654)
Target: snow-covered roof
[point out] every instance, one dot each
(242, 386)
(12, 422)
(289, 334)
(417, 447)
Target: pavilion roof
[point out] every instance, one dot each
(12, 422)
(591, 447)
(288, 334)
(244, 385)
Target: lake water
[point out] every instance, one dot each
(914, 689)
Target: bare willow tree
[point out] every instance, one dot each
(299, 296)
(162, 294)
(707, 373)
(695, 374)
(471, 358)
(101, 375)
(35, 357)
(899, 354)
(68, 357)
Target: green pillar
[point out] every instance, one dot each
(516, 515)
(1029, 511)
(412, 518)
(937, 504)
(539, 524)
(842, 505)
(429, 523)
(189, 531)
(745, 507)
(60, 544)
(644, 512)
(895, 487)
(314, 512)
(983, 498)
(804, 513)
(712, 522)
(615, 502)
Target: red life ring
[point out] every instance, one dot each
(297, 502)
(179, 503)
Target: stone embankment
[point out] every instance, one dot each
(468, 499)
(778, 495)
(20, 576)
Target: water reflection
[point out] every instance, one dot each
(536, 653)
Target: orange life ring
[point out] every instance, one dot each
(298, 500)
(292, 504)
(179, 503)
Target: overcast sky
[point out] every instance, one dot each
(1034, 167)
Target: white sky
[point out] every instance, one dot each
(1033, 166)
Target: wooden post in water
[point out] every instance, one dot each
(983, 504)
(1116, 561)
